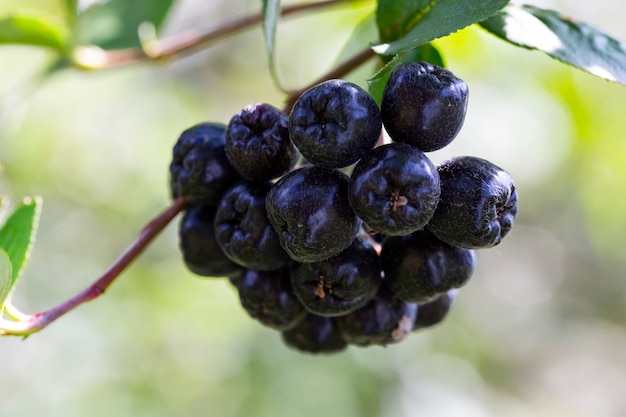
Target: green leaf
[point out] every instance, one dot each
(115, 23)
(34, 29)
(426, 52)
(405, 24)
(362, 35)
(5, 278)
(271, 13)
(18, 235)
(572, 42)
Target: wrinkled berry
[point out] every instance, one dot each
(335, 123)
(384, 320)
(310, 211)
(200, 170)
(394, 189)
(418, 267)
(339, 284)
(201, 252)
(267, 296)
(315, 334)
(243, 231)
(478, 203)
(424, 105)
(257, 143)
(435, 311)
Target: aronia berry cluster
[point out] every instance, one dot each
(330, 236)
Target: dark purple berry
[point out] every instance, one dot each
(339, 284)
(394, 189)
(267, 296)
(419, 267)
(424, 105)
(315, 334)
(435, 311)
(257, 143)
(478, 203)
(384, 320)
(335, 123)
(310, 211)
(243, 230)
(201, 252)
(200, 170)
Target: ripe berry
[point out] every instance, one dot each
(419, 266)
(394, 189)
(335, 123)
(310, 211)
(257, 143)
(339, 284)
(433, 312)
(267, 296)
(424, 105)
(201, 252)
(200, 170)
(478, 203)
(384, 320)
(243, 231)
(315, 334)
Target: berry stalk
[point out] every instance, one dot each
(37, 322)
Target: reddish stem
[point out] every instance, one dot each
(41, 320)
(186, 42)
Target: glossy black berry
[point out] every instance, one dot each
(200, 250)
(315, 334)
(335, 123)
(424, 105)
(339, 284)
(267, 296)
(418, 267)
(435, 311)
(243, 230)
(310, 211)
(384, 320)
(394, 189)
(200, 170)
(257, 143)
(478, 203)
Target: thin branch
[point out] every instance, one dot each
(94, 58)
(41, 320)
(337, 72)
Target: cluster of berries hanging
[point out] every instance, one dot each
(331, 237)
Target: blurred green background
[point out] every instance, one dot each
(539, 331)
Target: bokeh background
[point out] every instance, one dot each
(539, 331)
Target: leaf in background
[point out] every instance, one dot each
(18, 235)
(574, 43)
(362, 36)
(405, 24)
(426, 52)
(34, 29)
(115, 24)
(71, 10)
(271, 13)
(5, 278)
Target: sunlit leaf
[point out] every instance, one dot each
(34, 29)
(572, 42)
(17, 235)
(114, 24)
(364, 34)
(5, 278)
(425, 52)
(405, 24)
(271, 13)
